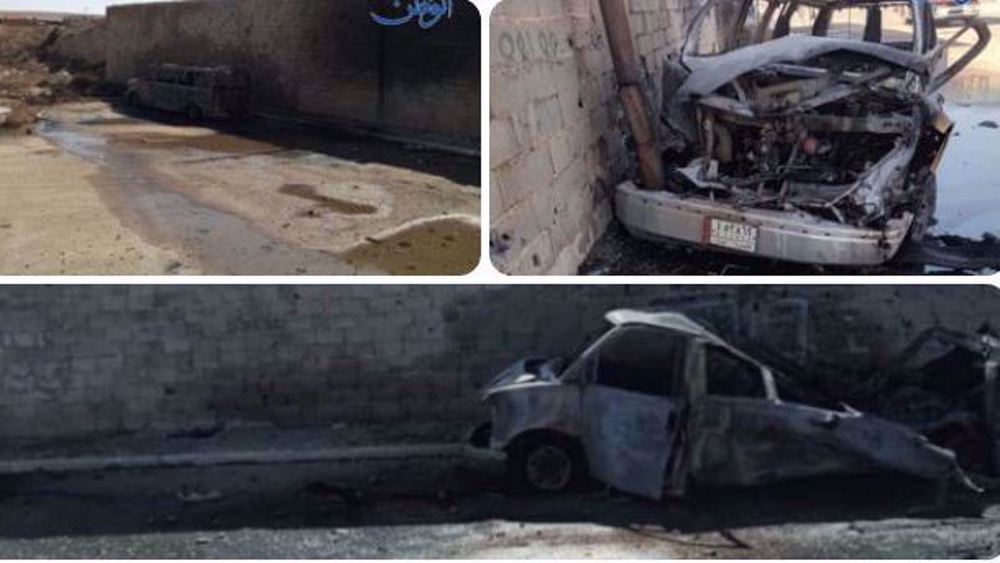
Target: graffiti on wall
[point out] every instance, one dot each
(520, 46)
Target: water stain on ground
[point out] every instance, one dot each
(337, 205)
(216, 142)
(440, 247)
(149, 204)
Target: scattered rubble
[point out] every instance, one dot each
(30, 78)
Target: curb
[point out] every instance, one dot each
(243, 457)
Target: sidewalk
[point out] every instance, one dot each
(242, 446)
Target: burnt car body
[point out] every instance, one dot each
(197, 92)
(807, 131)
(660, 401)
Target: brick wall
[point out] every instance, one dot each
(323, 58)
(557, 131)
(78, 361)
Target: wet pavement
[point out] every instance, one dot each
(261, 197)
(968, 198)
(462, 509)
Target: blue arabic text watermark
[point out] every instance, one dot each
(427, 13)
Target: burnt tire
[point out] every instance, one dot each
(546, 464)
(923, 218)
(194, 113)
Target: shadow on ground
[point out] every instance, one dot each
(330, 141)
(311, 496)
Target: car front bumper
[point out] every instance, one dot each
(782, 235)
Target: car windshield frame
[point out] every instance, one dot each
(917, 23)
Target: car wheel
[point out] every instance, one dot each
(546, 464)
(194, 113)
(924, 212)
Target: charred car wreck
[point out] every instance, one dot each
(803, 130)
(660, 402)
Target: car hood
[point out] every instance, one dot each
(710, 73)
(527, 371)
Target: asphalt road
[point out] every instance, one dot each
(462, 509)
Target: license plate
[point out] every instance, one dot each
(737, 236)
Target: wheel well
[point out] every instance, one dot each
(479, 435)
(545, 435)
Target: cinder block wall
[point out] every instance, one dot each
(324, 58)
(78, 361)
(557, 131)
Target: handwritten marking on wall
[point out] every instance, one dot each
(427, 13)
(524, 46)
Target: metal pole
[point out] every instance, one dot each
(634, 100)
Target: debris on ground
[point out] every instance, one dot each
(989, 124)
(30, 78)
(327, 491)
(199, 432)
(197, 496)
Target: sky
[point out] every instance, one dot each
(91, 7)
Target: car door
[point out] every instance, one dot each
(745, 435)
(632, 412)
(953, 49)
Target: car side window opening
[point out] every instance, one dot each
(642, 360)
(731, 376)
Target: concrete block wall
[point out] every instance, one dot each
(557, 131)
(80, 361)
(322, 58)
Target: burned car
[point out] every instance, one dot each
(659, 402)
(807, 131)
(197, 92)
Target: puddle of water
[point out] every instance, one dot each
(218, 142)
(121, 120)
(336, 205)
(441, 247)
(147, 203)
(88, 147)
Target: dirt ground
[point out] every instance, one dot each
(463, 509)
(108, 191)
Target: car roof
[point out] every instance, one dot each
(678, 322)
(671, 320)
